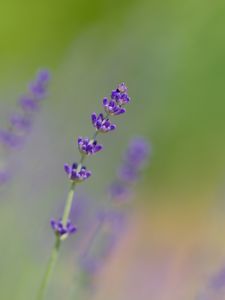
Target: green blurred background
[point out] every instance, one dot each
(171, 55)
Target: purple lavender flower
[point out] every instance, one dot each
(38, 86)
(77, 173)
(101, 124)
(87, 146)
(63, 230)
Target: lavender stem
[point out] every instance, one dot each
(49, 269)
(69, 202)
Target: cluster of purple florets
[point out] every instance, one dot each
(102, 124)
(77, 172)
(63, 230)
(20, 123)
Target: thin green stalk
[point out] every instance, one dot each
(69, 202)
(49, 269)
(55, 251)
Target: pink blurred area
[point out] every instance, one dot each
(169, 253)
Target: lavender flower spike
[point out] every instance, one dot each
(87, 146)
(76, 173)
(101, 124)
(63, 230)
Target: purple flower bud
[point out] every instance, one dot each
(87, 146)
(63, 230)
(101, 124)
(76, 172)
(112, 108)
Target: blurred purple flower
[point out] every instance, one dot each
(104, 241)
(138, 152)
(20, 122)
(218, 280)
(134, 159)
(4, 176)
(38, 86)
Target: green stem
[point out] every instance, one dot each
(55, 251)
(69, 202)
(49, 269)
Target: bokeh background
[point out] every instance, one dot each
(171, 55)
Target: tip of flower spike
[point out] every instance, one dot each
(122, 88)
(43, 75)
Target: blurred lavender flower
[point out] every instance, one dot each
(4, 176)
(111, 224)
(20, 123)
(218, 280)
(38, 86)
(134, 159)
(63, 230)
